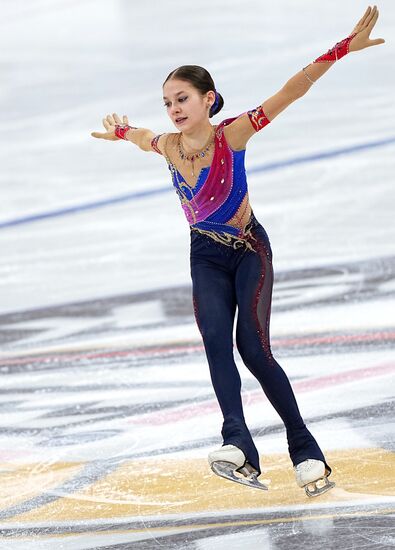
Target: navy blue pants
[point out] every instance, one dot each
(222, 278)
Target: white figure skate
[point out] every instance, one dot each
(311, 475)
(229, 460)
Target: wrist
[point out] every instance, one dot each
(128, 134)
(122, 131)
(339, 50)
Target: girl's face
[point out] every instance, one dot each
(185, 105)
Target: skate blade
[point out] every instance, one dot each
(319, 487)
(227, 471)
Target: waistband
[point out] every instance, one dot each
(243, 241)
(252, 222)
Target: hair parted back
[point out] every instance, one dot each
(201, 79)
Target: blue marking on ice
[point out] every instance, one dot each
(143, 194)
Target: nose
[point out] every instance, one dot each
(175, 110)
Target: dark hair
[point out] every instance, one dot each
(200, 79)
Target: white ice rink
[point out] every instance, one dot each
(100, 359)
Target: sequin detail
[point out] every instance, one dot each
(207, 215)
(154, 143)
(339, 50)
(258, 118)
(222, 196)
(263, 331)
(195, 311)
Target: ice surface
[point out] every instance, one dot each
(107, 412)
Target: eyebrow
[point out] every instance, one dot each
(178, 93)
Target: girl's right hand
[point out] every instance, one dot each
(109, 124)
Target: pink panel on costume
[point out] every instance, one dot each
(219, 180)
(188, 213)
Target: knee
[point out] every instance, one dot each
(255, 356)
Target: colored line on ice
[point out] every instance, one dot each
(146, 193)
(182, 348)
(179, 414)
(46, 535)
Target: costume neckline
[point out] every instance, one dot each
(219, 135)
(193, 187)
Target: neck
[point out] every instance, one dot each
(196, 138)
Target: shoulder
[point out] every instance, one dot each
(236, 134)
(160, 142)
(241, 128)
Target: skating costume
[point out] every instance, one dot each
(232, 266)
(220, 193)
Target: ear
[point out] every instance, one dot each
(210, 98)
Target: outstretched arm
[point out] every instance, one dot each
(247, 124)
(358, 40)
(116, 130)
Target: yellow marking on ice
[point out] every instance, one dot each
(165, 486)
(21, 482)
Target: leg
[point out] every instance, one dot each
(254, 283)
(214, 303)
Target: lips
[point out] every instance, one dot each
(179, 120)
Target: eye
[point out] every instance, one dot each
(180, 99)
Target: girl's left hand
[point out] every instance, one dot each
(363, 29)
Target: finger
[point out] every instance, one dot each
(106, 124)
(373, 21)
(97, 134)
(376, 41)
(125, 119)
(116, 118)
(371, 16)
(361, 23)
(365, 15)
(110, 120)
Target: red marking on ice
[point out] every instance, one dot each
(145, 352)
(187, 411)
(150, 351)
(339, 338)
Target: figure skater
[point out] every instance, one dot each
(230, 253)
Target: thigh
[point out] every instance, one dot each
(214, 297)
(254, 285)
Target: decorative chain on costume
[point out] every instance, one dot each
(197, 154)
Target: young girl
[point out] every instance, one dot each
(230, 252)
